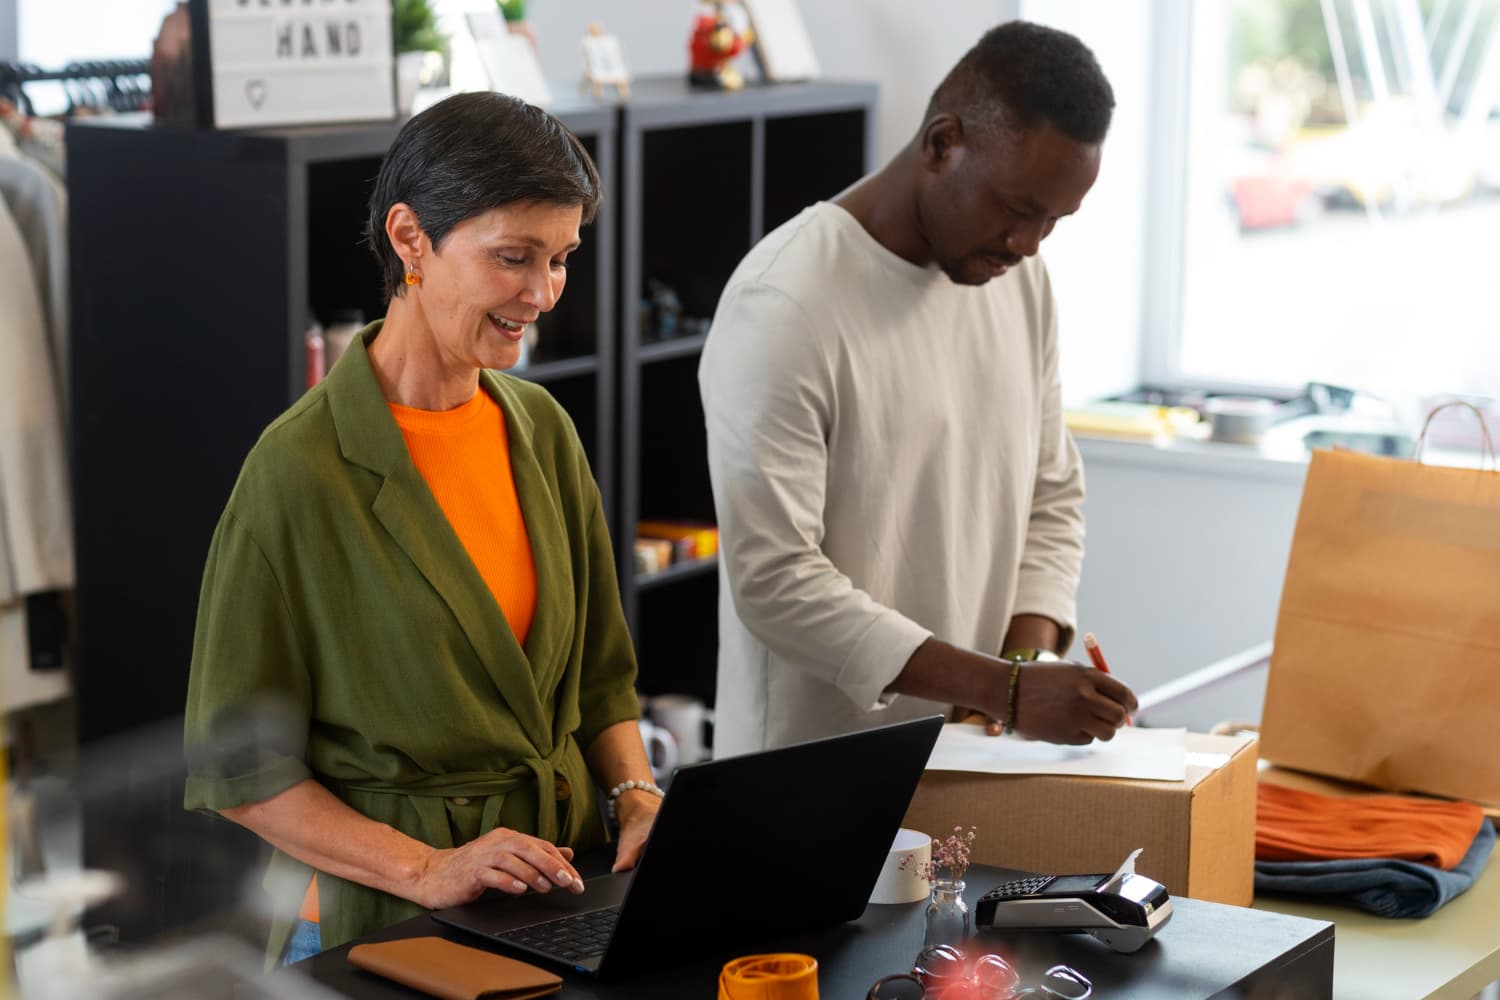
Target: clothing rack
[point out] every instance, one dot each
(103, 84)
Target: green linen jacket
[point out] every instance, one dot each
(345, 635)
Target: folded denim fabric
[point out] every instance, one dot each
(1384, 887)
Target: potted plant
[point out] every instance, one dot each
(414, 34)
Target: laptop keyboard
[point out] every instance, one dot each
(574, 938)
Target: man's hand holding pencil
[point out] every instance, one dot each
(1066, 702)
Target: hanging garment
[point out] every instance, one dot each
(36, 541)
(20, 686)
(38, 204)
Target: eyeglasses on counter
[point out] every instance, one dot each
(943, 972)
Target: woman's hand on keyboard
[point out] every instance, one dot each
(502, 859)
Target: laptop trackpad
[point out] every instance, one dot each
(497, 913)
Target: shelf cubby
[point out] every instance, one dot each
(704, 176)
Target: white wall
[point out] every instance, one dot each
(1184, 564)
(8, 49)
(903, 47)
(653, 33)
(1097, 258)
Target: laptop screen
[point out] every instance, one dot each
(734, 848)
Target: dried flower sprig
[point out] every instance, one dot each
(951, 854)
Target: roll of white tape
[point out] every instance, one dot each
(898, 884)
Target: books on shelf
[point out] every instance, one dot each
(652, 555)
(660, 544)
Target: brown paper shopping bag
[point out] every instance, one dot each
(1386, 665)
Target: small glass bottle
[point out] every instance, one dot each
(947, 915)
(345, 325)
(316, 355)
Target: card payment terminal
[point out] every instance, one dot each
(1124, 910)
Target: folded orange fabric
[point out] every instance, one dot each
(1294, 825)
(784, 976)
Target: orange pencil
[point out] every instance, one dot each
(1097, 655)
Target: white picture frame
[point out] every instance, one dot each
(509, 61)
(782, 43)
(604, 63)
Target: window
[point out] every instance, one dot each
(51, 34)
(1337, 213)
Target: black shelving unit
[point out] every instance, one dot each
(703, 176)
(199, 260)
(675, 572)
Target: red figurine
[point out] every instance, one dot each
(714, 43)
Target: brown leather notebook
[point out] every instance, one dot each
(453, 971)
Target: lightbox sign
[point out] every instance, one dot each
(293, 62)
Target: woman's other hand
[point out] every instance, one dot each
(502, 859)
(618, 756)
(637, 811)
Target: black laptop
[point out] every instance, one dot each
(735, 844)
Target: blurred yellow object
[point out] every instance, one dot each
(705, 537)
(786, 976)
(1133, 421)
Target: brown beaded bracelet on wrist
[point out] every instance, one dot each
(1010, 697)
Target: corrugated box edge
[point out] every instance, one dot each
(1221, 870)
(1221, 858)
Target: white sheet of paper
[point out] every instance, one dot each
(782, 40)
(509, 60)
(1152, 754)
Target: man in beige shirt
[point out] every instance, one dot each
(898, 497)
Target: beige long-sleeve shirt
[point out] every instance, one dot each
(889, 462)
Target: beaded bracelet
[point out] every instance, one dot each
(625, 786)
(1010, 697)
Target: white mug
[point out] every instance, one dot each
(661, 750)
(684, 717)
(901, 879)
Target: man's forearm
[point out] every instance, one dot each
(1032, 632)
(1057, 702)
(941, 671)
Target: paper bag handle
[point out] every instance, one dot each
(1484, 430)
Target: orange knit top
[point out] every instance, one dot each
(464, 456)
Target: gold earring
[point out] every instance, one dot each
(412, 278)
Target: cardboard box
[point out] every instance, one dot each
(1198, 834)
